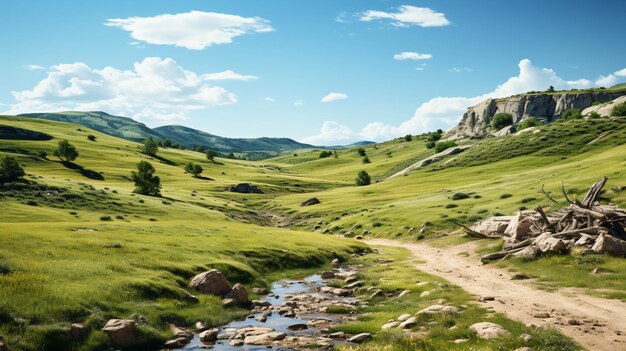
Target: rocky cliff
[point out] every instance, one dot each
(549, 105)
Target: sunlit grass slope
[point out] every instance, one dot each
(77, 248)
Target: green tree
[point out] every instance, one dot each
(366, 160)
(194, 169)
(501, 120)
(231, 156)
(199, 148)
(408, 137)
(10, 170)
(363, 179)
(167, 143)
(210, 154)
(550, 89)
(619, 110)
(146, 182)
(65, 151)
(361, 151)
(150, 147)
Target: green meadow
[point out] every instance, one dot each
(77, 244)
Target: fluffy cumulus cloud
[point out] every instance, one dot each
(193, 30)
(331, 132)
(155, 89)
(406, 16)
(334, 97)
(612, 79)
(445, 112)
(227, 75)
(410, 55)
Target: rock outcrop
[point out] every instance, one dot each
(211, 282)
(547, 105)
(122, 332)
(245, 188)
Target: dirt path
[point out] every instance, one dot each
(603, 321)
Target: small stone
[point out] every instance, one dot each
(175, 343)
(425, 293)
(404, 317)
(526, 337)
(209, 335)
(524, 349)
(541, 315)
(487, 330)
(298, 326)
(486, 298)
(236, 342)
(229, 302)
(260, 291)
(404, 293)
(599, 270)
(409, 323)
(335, 262)
(337, 335)
(460, 341)
(200, 326)
(377, 293)
(359, 338)
(390, 325)
(574, 322)
(327, 275)
(77, 331)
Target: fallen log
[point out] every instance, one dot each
(498, 255)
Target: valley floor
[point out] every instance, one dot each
(596, 323)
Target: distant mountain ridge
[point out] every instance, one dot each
(128, 128)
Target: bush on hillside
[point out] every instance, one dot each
(443, 145)
(501, 120)
(408, 137)
(91, 137)
(325, 154)
(10, 170)
(619, 110)
(194, 169)
(594, 114)
(146, 183)
(363, 179)
(150, 147)
(528, 122)
(572, 113)
(459, 196)
(361, 151)
(65, 151)
(366, 160)
(210, 154)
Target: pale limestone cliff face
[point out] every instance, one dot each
(477, 118)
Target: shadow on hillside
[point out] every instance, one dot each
(204, 178)
(85, 172)
(164, 160)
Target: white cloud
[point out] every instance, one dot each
(331, 132)
(269, 99)
(33, 67)
(193, 30)
(334, 97)
(298, 102)
(227, 75)
(408, 16)
(409, 55)
(155, 89)
(611, 79)
(460, 69)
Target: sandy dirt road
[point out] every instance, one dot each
(602, 321)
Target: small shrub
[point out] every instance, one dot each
(32, 203)
(451, 205)
(363, 179)
(194, 169)
(5, 269)
(594, 115)
(520, 276)
(443, 145)
(119, 217)
(505, 196)
(482, 210)
(408, 137)
(459, 196)
(10, 170)
(528, 199)
(619, 110)
(106, 218)
(430, 144)
(377, 224)
(572, 113)
(325, 154)
(477, 197)
(366, 160)
(528, 122)
(501, 120)
(361, 152)
(591, 259)
(42, 154)
(91, 137)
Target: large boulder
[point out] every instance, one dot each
(245, 188)
(493, 226)
(122, 332)
(529, 253)
(518, 229)
(239, 294)
(211, 282)
(610, 245)
(547, 244)
(311, 201)
(359, 338)
(486, 330)
(264, 339)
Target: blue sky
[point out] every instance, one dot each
(324, 72)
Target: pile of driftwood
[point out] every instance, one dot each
(594, 227)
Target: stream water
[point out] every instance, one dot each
(278, 296)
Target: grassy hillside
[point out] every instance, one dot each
(122, 127)
(81, 249)
(192, 138)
